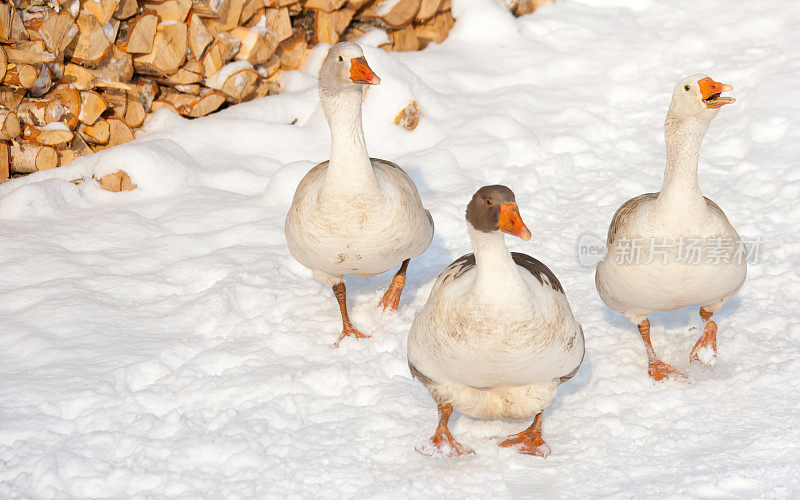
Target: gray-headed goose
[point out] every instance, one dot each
(497, 335)
(354, 214)
(660, 227)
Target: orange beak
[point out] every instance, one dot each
(360, 72)
(711, 91)
(510, 222)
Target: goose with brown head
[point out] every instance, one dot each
(497, 335)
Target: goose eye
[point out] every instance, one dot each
(686, 88)
(340, 59)
(488, 202)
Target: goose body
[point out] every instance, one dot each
(354, 214)
(629, 289)
(688, 252)
(357, 232)
(497, 335)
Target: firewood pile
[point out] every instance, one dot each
(79, 76)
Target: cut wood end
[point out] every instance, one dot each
(408, 117)
(116, 182)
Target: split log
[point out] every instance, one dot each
(136, 36)
(11, 97)
(3, 63)
(193, 106)
(435, 30)
(5, 160)
(396, 14)
(24, 56)
(97, 133)
(102, 9)
(92, 106)
(229, 44)
(121, 132)
(228, 17)
(427, 9)
(20, 75)
(126, 9)
(71, 100)
(134, 112)
(40, 112)
(148, 90)
(189, 73)
(43, 82)
(9, 124)
(250, 9)
(404, 39)
(206, 8)
(237, 85)
(324, 5)
(65, 156)
(408, 117)
(116, 182)
(171, 10)
(206, 104)
(169, 51)
(292, 51)
(6, 12)
(164, 104)
(57, 32)
(28, 158)
(278, 23)
(256, 48)
(79, 146)
(269, 68)
(328, 26)
(117, 100)
(199, 36)
(50, 135)
(522, 7)
(90, 47)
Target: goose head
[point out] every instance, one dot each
(494, 208)
(698, 96)
(345, 68)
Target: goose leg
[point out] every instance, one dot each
(705, 350)
(340, 293)
(391, 298)
(442, 438)
(531, 440)
(657, 369)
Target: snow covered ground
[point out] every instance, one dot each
(163, 342)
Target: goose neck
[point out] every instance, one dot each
(349, 166)
(681, 188)
(498, 278)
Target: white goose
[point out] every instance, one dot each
(497, 335)
(354, 214)
(666, 274)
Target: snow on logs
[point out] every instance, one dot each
(79, 76)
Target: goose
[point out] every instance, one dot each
(497, 335)
(354, 214)
(666, 275)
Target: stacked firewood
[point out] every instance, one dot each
(79, 76)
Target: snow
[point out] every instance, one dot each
(163, 342)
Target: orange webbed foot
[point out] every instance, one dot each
(532, 444)
(705, 350)
(391, 299)
(444, 444)
(350, 332)
(660, 371)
